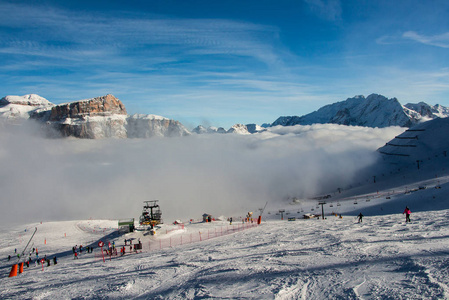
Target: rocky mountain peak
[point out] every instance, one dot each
(100, 106)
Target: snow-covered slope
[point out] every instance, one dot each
(426, 142)
(17, 108)
(380, 258)
(372, 111)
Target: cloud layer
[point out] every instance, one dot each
(45, 179)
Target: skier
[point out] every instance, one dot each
(230, 221)
(9, 257)
(407, 213)
(55, 261)
(360, 217)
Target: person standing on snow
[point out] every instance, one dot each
(407, 213)
(360, 217)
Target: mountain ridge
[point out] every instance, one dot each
(373, 111)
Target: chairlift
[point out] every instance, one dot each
(312, 209)
(355, 202)
(368, 200)
(331, 205)
(338, 204)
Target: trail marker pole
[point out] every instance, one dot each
(101, 244)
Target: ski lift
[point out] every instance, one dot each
(269, 213)
(338, 204)
(355, 201)
(312, 209)
(368, 200)
(331, 205)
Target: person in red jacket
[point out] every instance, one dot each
(407, 213)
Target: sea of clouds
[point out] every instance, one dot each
(221, 174)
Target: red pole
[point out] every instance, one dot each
(102, 253)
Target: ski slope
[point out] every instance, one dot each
(338, 258)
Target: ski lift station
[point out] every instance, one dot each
(151, 213)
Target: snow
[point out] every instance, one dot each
(279, 259)
(20, 107)
(147, 117)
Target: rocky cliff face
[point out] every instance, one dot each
(96, 118)
(146, 126)
(104, 117)
(100, 106)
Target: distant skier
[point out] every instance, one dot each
(407, 213)
(9, 257)
(55, 261)
(230, 221)
(360, 217)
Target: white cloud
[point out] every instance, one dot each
(327, 9)
(220, 174)
(441, 40)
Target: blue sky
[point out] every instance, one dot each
(225, 62)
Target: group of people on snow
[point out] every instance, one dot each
(29, 260)
(407, 213)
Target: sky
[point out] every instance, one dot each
(225, 62)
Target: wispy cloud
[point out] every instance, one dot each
(88, 35)
(441, 40)
(327, 9)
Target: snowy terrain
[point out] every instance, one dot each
(337, 258)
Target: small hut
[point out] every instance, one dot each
(207, 218)
(126, 226)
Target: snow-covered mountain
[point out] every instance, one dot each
(99, 117)
(237, 129)
(17, 108)
(372, 111)
(200, 129)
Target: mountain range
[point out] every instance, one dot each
(372, 111)
(106, 116)
(100, 117)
